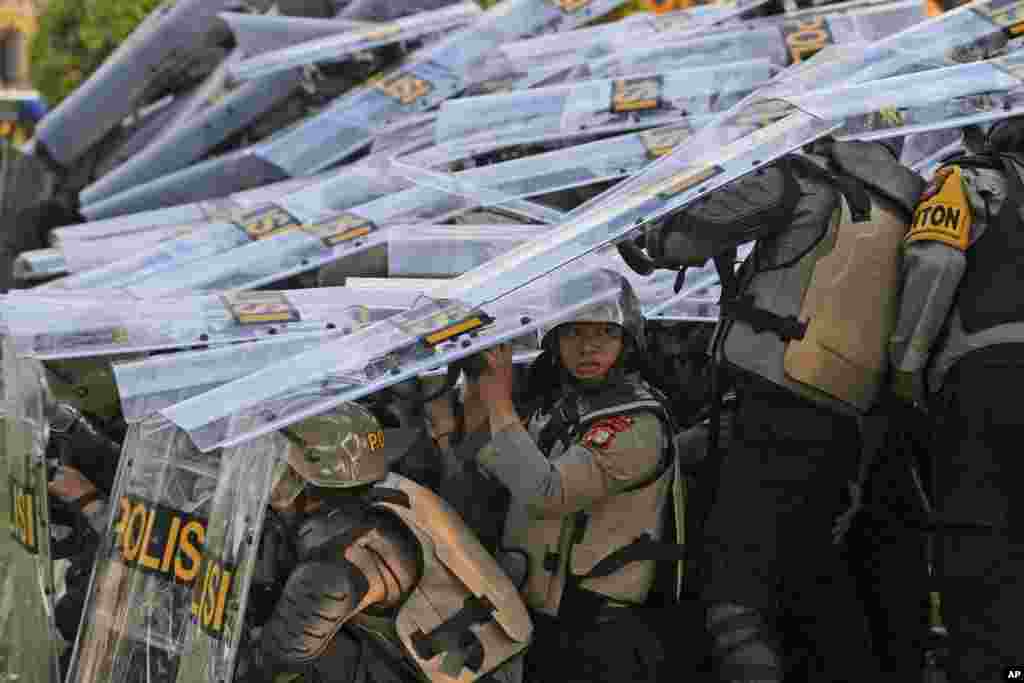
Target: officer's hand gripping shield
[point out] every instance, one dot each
(31, 645)
(753, 134)
(141, 597)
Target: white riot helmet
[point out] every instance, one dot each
(598, 296)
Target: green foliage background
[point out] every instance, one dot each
(74, 38)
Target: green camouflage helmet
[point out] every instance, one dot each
(339, 449)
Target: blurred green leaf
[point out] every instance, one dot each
(75, 37)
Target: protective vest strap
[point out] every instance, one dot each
(642, 549)
(455, 634)
(787, 327)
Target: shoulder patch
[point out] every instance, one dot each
(944, 213)
(602, 433)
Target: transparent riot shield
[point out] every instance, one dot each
(76, 325)
(349, 124)
(38, 264)
(220, 629)
(140, 599)
(165, 42)
(30, 645)
(335, 47)
(747, 137)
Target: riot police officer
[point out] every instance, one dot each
(86, 429)
(958, 349)
(589, 475)
(803, 333)
(388, 583)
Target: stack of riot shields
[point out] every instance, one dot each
(280, 214)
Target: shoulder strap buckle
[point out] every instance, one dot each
(787, 327)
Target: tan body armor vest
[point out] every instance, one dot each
(824, 305)
(462, 596)
(565, 548)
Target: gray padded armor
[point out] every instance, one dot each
(777, 287)
(753, 206)
(872, 164)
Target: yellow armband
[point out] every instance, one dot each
(944, 211)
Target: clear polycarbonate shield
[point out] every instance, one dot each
(425, 79)
(97, 243)
(292, 243)
(587, 44)
(927, 166)
(161, 44)
(80, 256)
(229, 112)
(212, 89)
(337, 47)
(977, 93)
(847, 105)
(443, 251)
(140, 601)
(918, 148)
(145, 126)
(736, 45)
(221, 630)
(180, 213)
(415, 339)
(114, 259)
(429, 77)
(531, 62)
(352, 186)
(788, 42)
(48, 328)
(148, 385)
(352, 237)
(606, 106)
(155, 383)
(259, 33)
(39, 264)
(31, 643)
(754, 134)
(188, 140)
